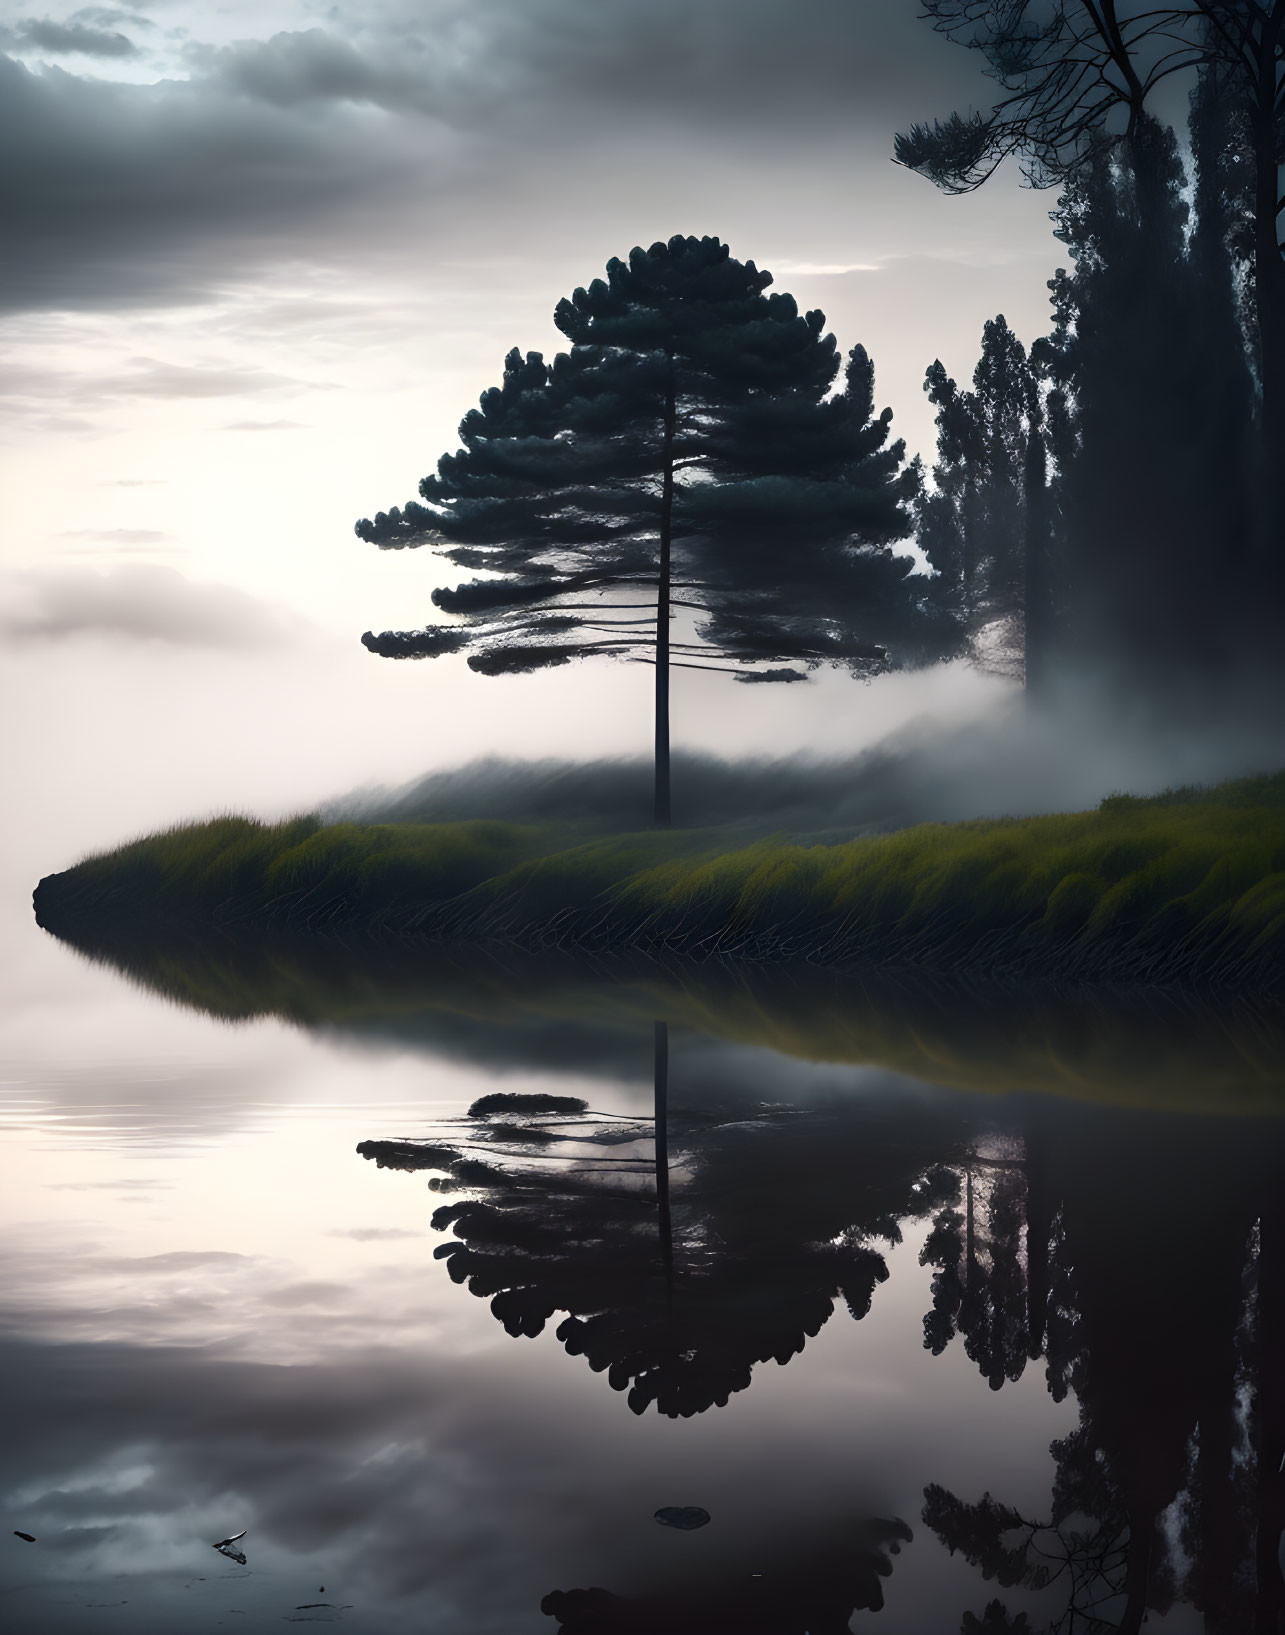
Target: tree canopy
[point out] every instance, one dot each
(673, 1298)
(1076, 106)
(977, 523)
(690, 445)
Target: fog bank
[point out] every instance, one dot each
(1014, 761)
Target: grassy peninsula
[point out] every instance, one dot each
(1188, 886)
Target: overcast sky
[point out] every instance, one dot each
(256, 262)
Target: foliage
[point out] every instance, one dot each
(1166, 369)
(1153, 473)
(689, 438)
(766, 1236)
(979, 525)
(995, 1621)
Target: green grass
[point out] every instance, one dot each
(1189, 885)
(198, 870)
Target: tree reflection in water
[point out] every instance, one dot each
(1144, 1261)
(814, 1593)
(1140, 1257)
(685, 1249)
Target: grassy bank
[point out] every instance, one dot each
(1188, 886)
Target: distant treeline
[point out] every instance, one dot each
(1185, 887)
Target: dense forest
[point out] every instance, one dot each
(1109, 502)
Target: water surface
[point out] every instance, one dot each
(878, 1299)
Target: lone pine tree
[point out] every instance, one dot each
(688, 446)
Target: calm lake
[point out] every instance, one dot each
(903, 1252)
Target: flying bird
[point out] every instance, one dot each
(228, 1547)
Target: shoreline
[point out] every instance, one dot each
(1184, 890)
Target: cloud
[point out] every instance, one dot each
(129, 1184)
(826, 269)
(67, 39)
(154, 378)
(175, 1263)
(292, 69)
(313, 1293)
(540, 65)
(144, 377)
(379, 135)
(374, 1234)
(754, 61)
(132, 538)
(118, 194)
(140, 603)
(443, 1497)
(264, 425)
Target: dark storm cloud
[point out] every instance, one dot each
(497, 64)
(118, 194)
(140, 603)
(66, 39)
(293, 69)
(703, 63)
(390, 128)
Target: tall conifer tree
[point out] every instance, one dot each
(1156, 554)
(977, 525)
(1076, 82)
(688, 446)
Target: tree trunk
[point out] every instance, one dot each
(1040, 1209)
(970, 1235)
(1220, 1525)
(1137, 1574)
(660, 1116)
(661, 807)
(1269, 300)
(1270, 1391)
(968, 552)
(1037, 612)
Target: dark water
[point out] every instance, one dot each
(850, 1304)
